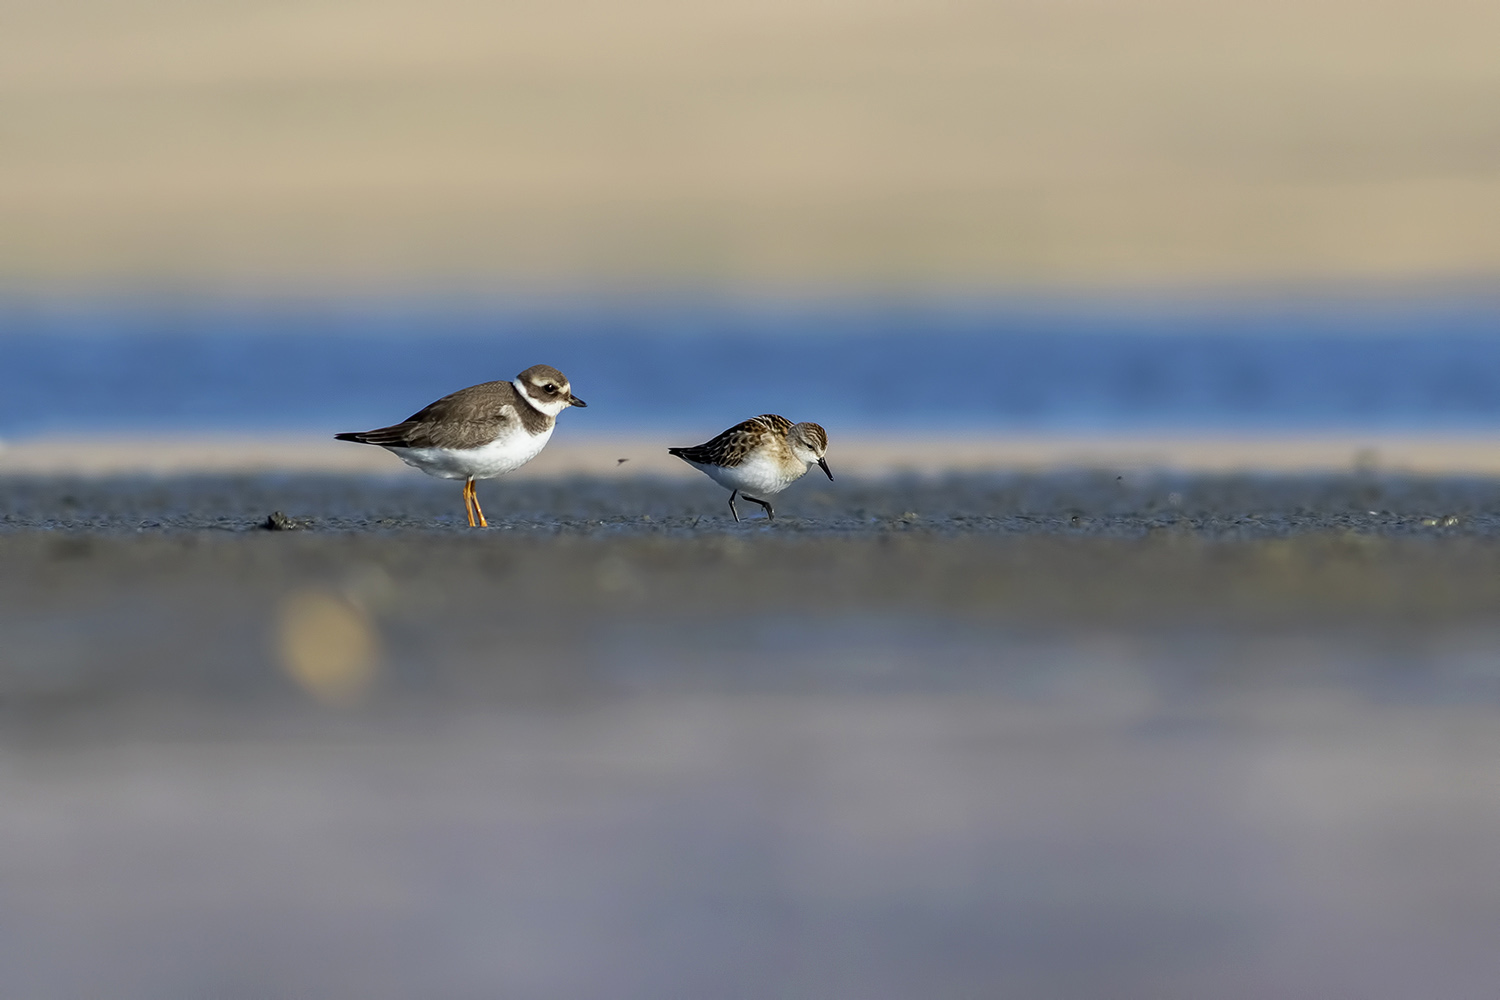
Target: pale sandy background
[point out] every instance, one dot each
(377, 144)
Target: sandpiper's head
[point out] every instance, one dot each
(547, 389)
(809, 443)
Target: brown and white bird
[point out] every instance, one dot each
(480, 432)
(765, 454)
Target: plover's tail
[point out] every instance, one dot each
(382, 436)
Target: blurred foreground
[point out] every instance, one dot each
(1058, 735)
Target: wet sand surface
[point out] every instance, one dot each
(1069, 734)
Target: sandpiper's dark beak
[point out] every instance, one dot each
(575, 401)
(823, 464)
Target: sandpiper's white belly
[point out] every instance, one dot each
(504, 454)
(757, 474)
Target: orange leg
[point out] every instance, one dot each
(479, 511)
(469, 500)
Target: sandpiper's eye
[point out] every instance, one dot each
(550, 388)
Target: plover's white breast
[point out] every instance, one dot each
(512, 449)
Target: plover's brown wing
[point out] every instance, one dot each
(730, 448)
(467, 418)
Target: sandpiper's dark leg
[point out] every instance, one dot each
(732, 495)
(770, 514)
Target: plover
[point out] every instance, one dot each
(765, 454)
(480, 432)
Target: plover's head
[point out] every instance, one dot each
(547, 389)
(809, 443)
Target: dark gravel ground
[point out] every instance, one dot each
(1061, 735)
(1077, 503)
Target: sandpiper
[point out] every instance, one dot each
(765, 454)
(480, 432)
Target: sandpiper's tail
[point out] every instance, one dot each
(698, 454)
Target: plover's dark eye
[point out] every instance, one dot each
(550, 387)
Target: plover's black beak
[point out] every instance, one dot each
(823, 464)
(575, 401)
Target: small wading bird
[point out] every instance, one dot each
(480, 432)
(765, 454)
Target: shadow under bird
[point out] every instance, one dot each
(765, 454)
(480, 432)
